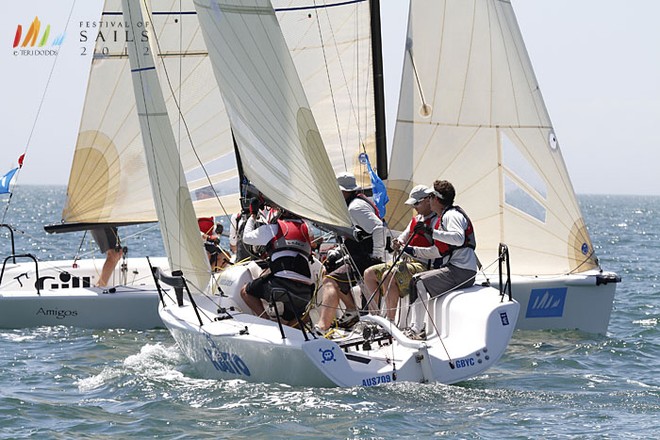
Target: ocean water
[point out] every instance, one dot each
(64, 383)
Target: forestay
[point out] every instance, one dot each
(471, 112)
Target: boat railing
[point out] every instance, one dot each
(178, 283)
(14, 257)
(11, 236)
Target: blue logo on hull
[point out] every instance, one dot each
(546, 303)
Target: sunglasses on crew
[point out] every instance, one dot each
(420, 201)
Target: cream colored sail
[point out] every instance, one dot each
(330, 42)
(178, 224)
(471, 112)
(108, 181)
(280, 146)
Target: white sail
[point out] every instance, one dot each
(471, 112)
(330, 42)
(280, 146)
(108, 181)
(178, 225)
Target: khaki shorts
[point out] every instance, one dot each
(403, 273)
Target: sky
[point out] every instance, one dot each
(597, 63)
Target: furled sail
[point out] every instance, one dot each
(108, 182)
(178, 224)
(471, 112)
(330, 42)
(281, 149)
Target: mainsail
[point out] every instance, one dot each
(280, 146)
(471, 112)
(108, 181)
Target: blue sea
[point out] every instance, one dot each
(64, 383)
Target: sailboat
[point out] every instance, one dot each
(282, 152)
(108, 184)
(471, 112)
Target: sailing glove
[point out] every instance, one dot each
(423, 229)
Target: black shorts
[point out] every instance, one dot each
(293, 294)
(106, 238)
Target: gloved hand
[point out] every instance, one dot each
(409, 250)
(423, 228)
(254, 206)
(333, 260)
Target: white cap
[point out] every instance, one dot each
(417, 194)
(347, 182)
(431, 191)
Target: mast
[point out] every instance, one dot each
(379, 89)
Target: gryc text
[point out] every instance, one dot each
(463, 363)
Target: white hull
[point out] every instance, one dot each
(66, 296)
(473, 328)
(578, 301)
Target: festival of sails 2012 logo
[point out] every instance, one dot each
(112, 35)
(34, 42)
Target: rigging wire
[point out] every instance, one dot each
(353, 112)
(332, 95)
(177, 101)
(39, 108)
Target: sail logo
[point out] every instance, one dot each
(34, 42)
(546, 303)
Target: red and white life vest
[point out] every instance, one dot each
(292, 235)
(470, 240)
(418, 239)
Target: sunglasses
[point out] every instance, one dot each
(420, 201)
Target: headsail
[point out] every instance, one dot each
(108, 181)
(178, 224)
(471, 112)
(280, 146)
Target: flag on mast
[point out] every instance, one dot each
(5, 180)
(378, 187)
